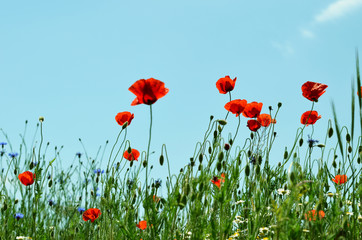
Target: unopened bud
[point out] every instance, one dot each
(222, 122)
(41, 119)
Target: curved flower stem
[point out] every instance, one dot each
(110, 155)
(147, 162)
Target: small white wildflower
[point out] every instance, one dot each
(282, 191)
(239, 202)
(349, 202)
(306, 230)
(264, 230)
(22, 237)
(349, 213)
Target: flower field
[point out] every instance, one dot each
(227, 189)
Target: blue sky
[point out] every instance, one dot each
(73, 62)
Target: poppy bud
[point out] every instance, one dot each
(349, 149)
(292, 177)
(274, 134)
(80, 198)
(209, 150)
(249, 153)
(201, 157)
(211, 117)
(330, 132)
(161, 160)
(321, 145)
(219, 128)
(144, 163)
(220, 157)
(92, 193)
(300, 142)
(230, 141)
(16, 201)
(222, 122)
(129, 150)
(215, 134)
(270, 108)
(334, 164)
(247, 170)
(131, 164)
(41, 119)
(348, 137)
(358, 160)
(218, 166)
(251, 135)
(226, 146)
(257, 169)
(15, 172)
(200, 167)
(285, 154)
(181, 170)
(50, 183)
(279, 104)
(5, 206)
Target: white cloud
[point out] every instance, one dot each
(285, 48)
(306, 33)
(338, 9)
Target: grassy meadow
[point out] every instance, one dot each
(227, 189)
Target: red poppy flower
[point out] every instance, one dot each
(217, 181)
(26, 178)
(311, 116)
(123, 117)
(264, 119)
(236, 106)
(131, 156)
(252, 109)
(148, 91)
(312, 90)
(225, 85)
(142, 225)
(340, 179)
(313, 215)
(273, 121)
(91, 214)
(253, 125)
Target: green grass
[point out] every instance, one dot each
(255, 199)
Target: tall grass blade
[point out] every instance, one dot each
(337, 129)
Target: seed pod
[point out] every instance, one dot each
(300, 142)
(247, 170)
(358, 160)
(97, 179)
(211, 117)
(219, 128)
(330, 132)
(50, 183)
(348, 137)
(279, 104)
(252, 135)
(161, 160)
(215, 134)
(249, 153)
(231, 141)
(144, 163)
(209, 150)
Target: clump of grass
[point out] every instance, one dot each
(228, 190)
